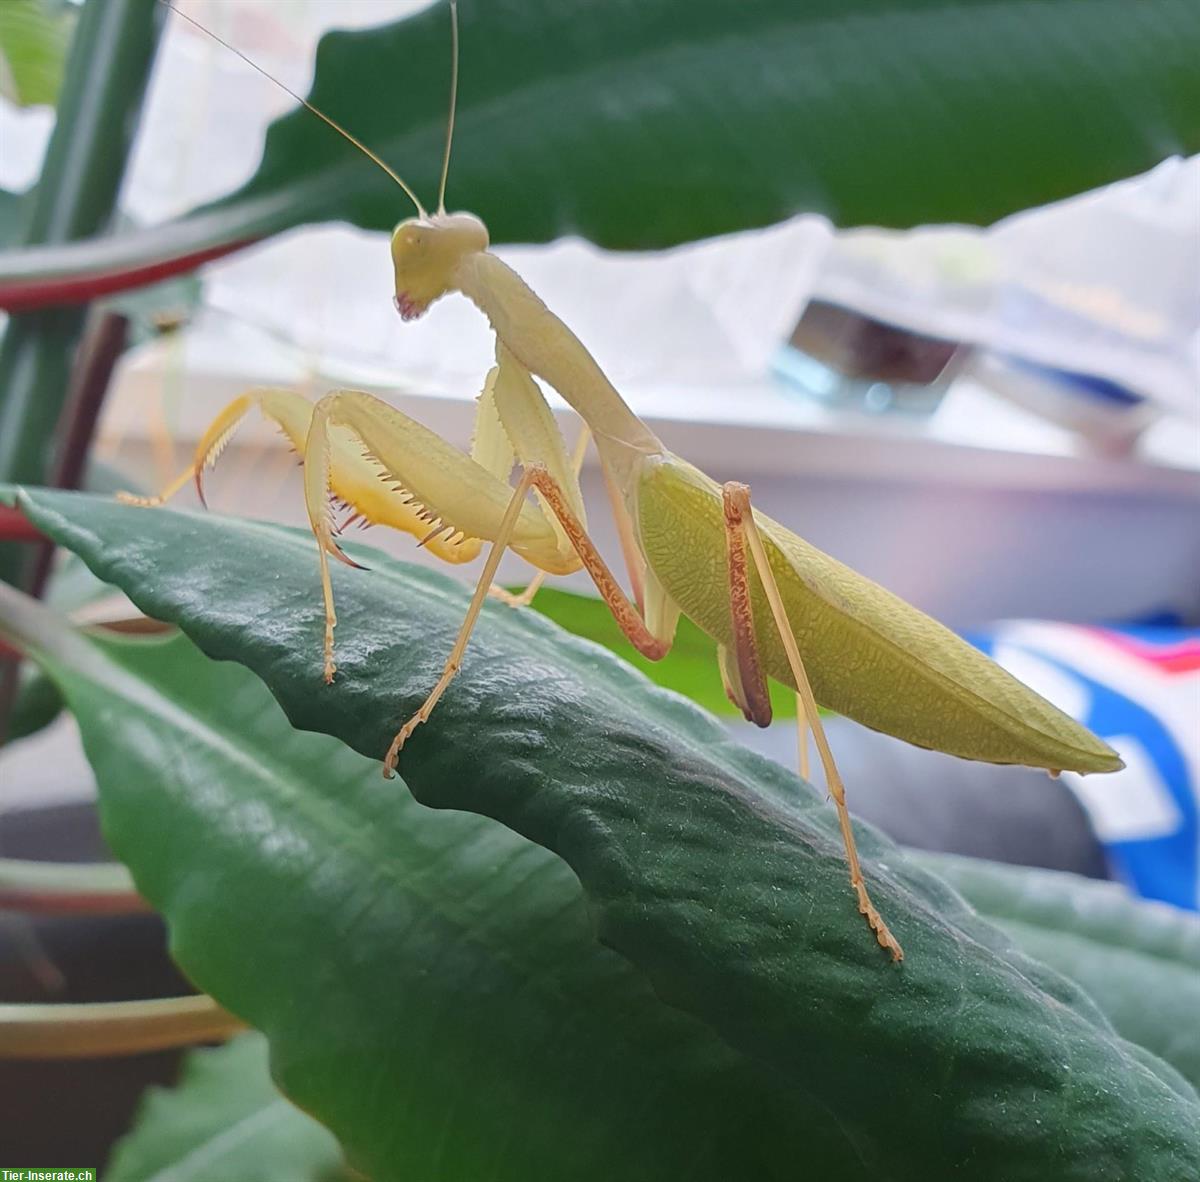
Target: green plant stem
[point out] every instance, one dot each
(106, 75)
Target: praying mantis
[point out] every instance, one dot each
(776, 606)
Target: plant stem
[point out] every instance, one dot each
(106, 1028)
(68, 888)
(104, 338)
(104, 84)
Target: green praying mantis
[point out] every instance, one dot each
(776, 606)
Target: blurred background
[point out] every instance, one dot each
(1001, 425)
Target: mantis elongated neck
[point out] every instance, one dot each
(546, 347)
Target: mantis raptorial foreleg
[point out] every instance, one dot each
(356, 481)
(287, 409)
(739, 518)
(448, 491)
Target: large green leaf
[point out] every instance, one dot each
(430, 982)
(225, 1122)
(72, 586)
(1139, 961)
(659, 122)
(652, 123)
(714, 872)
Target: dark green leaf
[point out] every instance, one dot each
(225, 1122)
(716, 873)
(430, 982)
(72, 586)
(663, 121)
(1139, 961)
(36, 705)
(657, 122)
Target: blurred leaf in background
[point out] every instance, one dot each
(225, 1122)
(34, 35)
(690, 668)
(12, 210)
(158, 309)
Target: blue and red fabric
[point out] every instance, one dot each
(1139, 689)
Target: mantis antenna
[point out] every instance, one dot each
(321, 114)
(453, 103)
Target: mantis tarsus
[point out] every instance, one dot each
(776, 606)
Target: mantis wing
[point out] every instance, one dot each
(870, 655)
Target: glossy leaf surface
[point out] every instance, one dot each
(430, 982)
(650, 123)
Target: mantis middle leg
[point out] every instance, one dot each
(526, 595)
(535, 477)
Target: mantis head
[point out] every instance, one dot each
(426, 252)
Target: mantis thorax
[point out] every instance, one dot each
(426, 252)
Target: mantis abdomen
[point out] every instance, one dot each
(870, 655)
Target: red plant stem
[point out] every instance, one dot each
(16, 527)
(23, 295)
(102, 345)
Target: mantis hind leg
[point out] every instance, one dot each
(802, 736)
(741, 670)
(742, 532)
